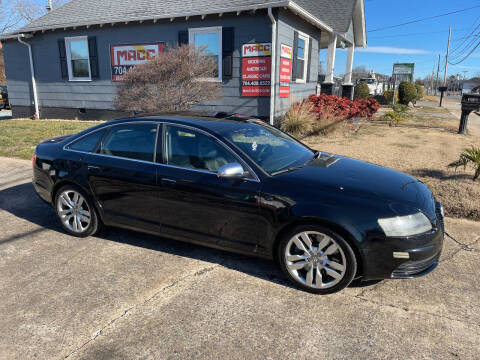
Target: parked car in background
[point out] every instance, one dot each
(4, 103)
(236, 183)
(374, 87)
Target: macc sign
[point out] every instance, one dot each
(125, 57)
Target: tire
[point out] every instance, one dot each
(307, 251)
(76, 211)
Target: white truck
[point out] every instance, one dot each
(374, 86)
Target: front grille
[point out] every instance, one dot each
(439, 215)
(411, 268)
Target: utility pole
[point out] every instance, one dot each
(438, 70)
(433, 74)
(444, 88)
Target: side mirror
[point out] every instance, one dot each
(232, 170)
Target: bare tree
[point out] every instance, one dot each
(3, 79)
(29, 10)
(173, 81)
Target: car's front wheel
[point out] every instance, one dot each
(317, 259)
(75, 211)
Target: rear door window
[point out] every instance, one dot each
(132, 141)
(89, 142)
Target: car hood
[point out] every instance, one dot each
(359, 178)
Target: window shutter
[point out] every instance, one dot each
(92, 51)
(228, 46)
(63, 58)
(295, 52)
(183, 37)
(309, 63)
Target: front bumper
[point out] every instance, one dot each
(421, 252)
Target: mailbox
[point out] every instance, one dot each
(470, 102)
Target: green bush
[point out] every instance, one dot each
(362, 91)
(469, 156)
(388, 95)
(400, 108)
(394, 117)
(407, 93)
(381, 99)
(420, 93)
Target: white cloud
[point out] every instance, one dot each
(393, 50)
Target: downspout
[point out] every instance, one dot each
(273, 63)
(32, 71)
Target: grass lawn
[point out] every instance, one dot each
(18, 138)
(422, 146)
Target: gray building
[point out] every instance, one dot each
(67, 63)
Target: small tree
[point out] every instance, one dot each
(407, 92)
(173, 81)
(362, 91)
(469, 156)
(420, 92)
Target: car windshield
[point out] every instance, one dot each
(271, 149)
(368, 81)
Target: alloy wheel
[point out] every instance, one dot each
(315, 259)
(73, 211)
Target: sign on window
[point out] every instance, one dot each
(125, 57)
(285, 70)
(256, 69)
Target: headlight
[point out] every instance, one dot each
(405, 225)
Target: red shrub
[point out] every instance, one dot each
(335, 108)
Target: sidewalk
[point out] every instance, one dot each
(455, 109)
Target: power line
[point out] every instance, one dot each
(466, 56)
(424, 19)
(414, 34)
(470, 34)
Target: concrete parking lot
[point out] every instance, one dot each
(126, 295)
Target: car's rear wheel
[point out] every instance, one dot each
(75, 211)
(317, 259)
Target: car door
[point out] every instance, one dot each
(198, 205)
(122, 176)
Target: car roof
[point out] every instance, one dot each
(215, 122)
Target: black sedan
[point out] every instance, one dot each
(4, 103)
(239, 184)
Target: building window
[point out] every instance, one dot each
(210, 40)
(78, 58)
(302, 56)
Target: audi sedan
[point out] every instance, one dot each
(238, 184)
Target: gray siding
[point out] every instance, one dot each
(53, 91)
(287, 25)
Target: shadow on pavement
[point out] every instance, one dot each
(23, 202)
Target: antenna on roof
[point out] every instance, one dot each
(49, 7)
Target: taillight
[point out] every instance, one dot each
(34, 159)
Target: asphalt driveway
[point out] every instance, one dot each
(127, 295)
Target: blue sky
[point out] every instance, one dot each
(419, 42)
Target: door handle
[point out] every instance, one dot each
(167, 182)
(93, 169)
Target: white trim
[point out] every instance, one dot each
(210, 29)
(32, 73)
(332, 49)
(306, 15)
(305, 38)
(69, 59)
(273, 70)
